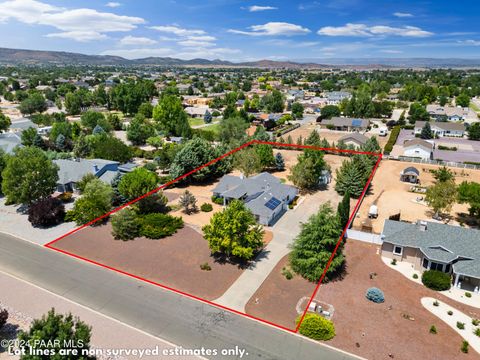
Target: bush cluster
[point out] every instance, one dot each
(217, 200)
(375, 295)
(316, 327)
(392, 140)
(436, 280)
(206, 207)
(46, 212)
(157, 226)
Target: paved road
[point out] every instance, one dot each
(169, 316)
(284, 231)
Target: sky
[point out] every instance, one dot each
(245, 30)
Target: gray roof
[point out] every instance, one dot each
(443, 125)
(71, 171)
(440, 242)
(418, 142)
(257, 190)
(23, 124)
(356, 137)
(345, 121)
(9, 141)
(411, 171)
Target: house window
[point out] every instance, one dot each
(436, 266)
(447, 268)
(425, 263)
(397, 250)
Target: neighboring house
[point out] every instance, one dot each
(433, 246)
(336, 97)
(72, 171)
(197, 111)
(263, 194)
(410, 175)
(418, 148)
(442, 129)
(9, 141)
(19, 125)
(450, 113)
(345, 124)
(354, 139)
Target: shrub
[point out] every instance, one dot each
(477, 331)
(392, 140)
(460, 325)
(468, 295)
(217, 200)
(433, 329)
(205, 266)
(436, 303)
(436, 280)
(475, 322)
(375, 295)
(316, 327)
(125, 225)
(450, 312)
(155, 203)
(394, 262)
(206, 207)
(415, 276)
(84, 181)
(65, 197)
(464, 347)
(46, 212)
(3, 317)
(157, 226)
(287, 273)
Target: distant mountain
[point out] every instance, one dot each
(39, 57)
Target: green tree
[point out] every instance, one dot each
(234, 232)
(52, 332)
(125, 225)
(28, 176)
(279, 162)
(4, 122)
(462, 100)
(426, 131)
(441, 196)
(297, 110)
(3, 163)
(171, 117)
(350, 178)
(306, 172)
(343, 210)
(232, 130)
(248, 162)
(443, 174)
(273, 102)
(474, 131)
(107, 147)
(95, 202)
(418, 112)
(137, 183)
(28, 136)
(146, 109)
(188, 202)
(73, 103)
(329, 111)
(32, 104)
(139, 130)
(315, 244)
(61, 128)
(207, 118)
(469, 193)
(265, 154)
(90, 119)
(313, 139)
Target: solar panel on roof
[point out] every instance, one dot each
(272, 203)
(356, 122)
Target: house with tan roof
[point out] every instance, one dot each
(441, 129)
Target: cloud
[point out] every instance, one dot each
(176, 30)
(195, 43)
(113, 4)
(470, 42)
(256, 8)
(273, 29)
(378, 30)
(78, 24)
(402, 14)
(138, 41)
(389, 51)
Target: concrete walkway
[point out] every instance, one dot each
(284, 232)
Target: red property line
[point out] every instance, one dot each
(50, 244)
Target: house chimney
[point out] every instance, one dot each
(422, 225)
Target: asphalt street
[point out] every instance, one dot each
(167, 315)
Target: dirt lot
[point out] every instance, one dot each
(276, 299)
(393, 196)
(381, 329)
(173, 261)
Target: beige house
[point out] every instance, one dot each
(434, 246)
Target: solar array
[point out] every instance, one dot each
(272, 203)
(356, 122)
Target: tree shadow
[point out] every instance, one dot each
(8, 332)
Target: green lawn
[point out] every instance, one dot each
(215, 128)
(199, 121)
(475, 107)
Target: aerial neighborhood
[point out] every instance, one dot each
(367, 181)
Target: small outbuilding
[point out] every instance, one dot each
(410, 175)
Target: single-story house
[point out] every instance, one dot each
(441, 129)
(345, 124)
(434, 246)
(197, 111)
(72, 171)
(9, 141)
(418, 148)
(336, 97)
(450, 113)
(410, 175)
(354, 139)
(263, 194)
